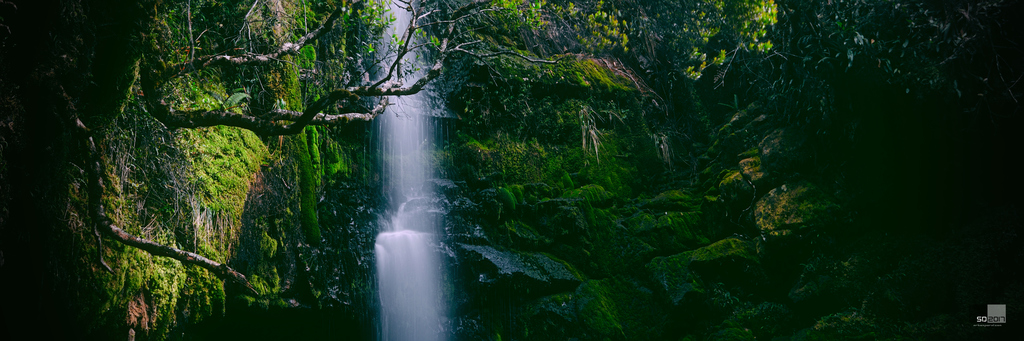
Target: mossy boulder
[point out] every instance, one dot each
(668, 233)
(551, 318)
(517, 234)
(735, 190)
(672, 276)
(783, 151)
(617, 309)
(751, 169)
(594, 194)
(612, 248)
(794, 209)
(732, 262)
(560, 218)
(673, 200)
(534, 192)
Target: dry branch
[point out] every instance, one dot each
(288, 48)
(284, 122)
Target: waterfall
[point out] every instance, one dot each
(408, 263)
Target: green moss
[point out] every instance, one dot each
(507, 199)
(572, 269)
(669, 233)
(163, 286)
(765, 320)
(618, 309)
(672, 275)
(674, 200)
(587, 73)
(517, 191)
(336, 161)
(598, 311)
(731, 247)
(613, 173)
(224, 160)
(308, 191)
(268, 245)
(612, 250)
(307, 57)
(794, 207)
(517, 234)
(565, 181)
(592, 193)
(734, 189)
(202, 295)
(752, 152)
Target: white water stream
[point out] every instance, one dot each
(408, 264)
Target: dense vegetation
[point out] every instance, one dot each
(686, 170)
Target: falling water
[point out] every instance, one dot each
(408, 265)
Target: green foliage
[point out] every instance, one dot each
(592, 193)
(686, 28)
(235, 99)
(565, 182)
(507, 199)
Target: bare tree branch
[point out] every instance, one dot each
(324, 119)
(288, 48)
(512, 53)
(283, 122)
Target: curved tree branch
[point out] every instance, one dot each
(288, 48)
(283, 122)
(94, 169)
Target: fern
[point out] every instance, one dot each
(235, 99)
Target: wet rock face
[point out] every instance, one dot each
(506, 269)
(339, 272)
(793, 209)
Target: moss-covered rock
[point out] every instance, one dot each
(735, 190)
(751, 169)
(551, 318)
(617, 309)
(593, 194)
(673, 200)
(612, 248)
(669, 232)
(517, 234)
(795, 208)
(783, 151)
(560, 218)
(672, 276)
(732, 262)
